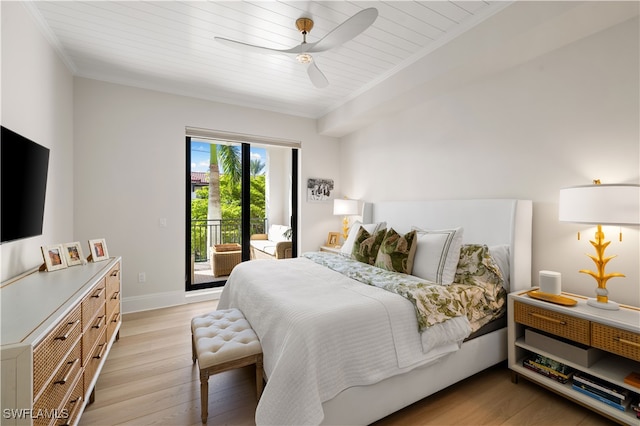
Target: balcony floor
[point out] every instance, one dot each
(202, 273)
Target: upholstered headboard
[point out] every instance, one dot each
(485, 221)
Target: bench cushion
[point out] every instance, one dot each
(222, 336)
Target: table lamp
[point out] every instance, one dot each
(345, 208)
(607, 204)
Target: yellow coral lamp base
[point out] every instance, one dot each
(345, 228)
(602, 299)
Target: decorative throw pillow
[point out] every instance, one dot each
(437, 254)
(366, 245)
(397, 251)
(372, 228)
(278, 233)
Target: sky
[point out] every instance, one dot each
(200, 156)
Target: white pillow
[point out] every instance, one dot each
(500, 254)
(371, 228)
(437, 255)
(276, 233)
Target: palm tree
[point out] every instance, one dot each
(229, 157)
(256, 167)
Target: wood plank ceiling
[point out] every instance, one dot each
(169, 45)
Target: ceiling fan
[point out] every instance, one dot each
(339, 35)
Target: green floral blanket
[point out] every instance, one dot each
(476, 292)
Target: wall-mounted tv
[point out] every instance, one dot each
(23, 180)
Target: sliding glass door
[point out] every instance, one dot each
(234, 190)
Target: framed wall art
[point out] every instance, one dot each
(54, 257)
(73, 253)
(98, 249)
(319, 189)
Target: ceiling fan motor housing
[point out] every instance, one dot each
(304, 25)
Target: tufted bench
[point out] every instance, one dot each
(220, 341)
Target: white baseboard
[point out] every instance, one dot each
(164, 300)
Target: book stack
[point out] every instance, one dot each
(549, 367)
(635, 405)
(603, 391)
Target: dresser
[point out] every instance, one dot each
(603, 344)
(56, 331)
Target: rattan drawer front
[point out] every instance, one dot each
(113, 302)
(93, 302)
(614, 340)
(566, 326)
(71, 409)
(113, 280)
(91, 334)
(50, 353)
(96, 356)
(54, 393)
(112, 325)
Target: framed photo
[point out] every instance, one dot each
(319, 190)
(98, 249)
(54, 257)
(73, 253)
(333, 239)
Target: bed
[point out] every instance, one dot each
(333, 344)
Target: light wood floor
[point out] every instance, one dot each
(149, 378)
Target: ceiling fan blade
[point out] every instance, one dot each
(317, 77)
(259, 49)
(345, 31)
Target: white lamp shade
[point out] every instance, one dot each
(345, 207)
(615, 204)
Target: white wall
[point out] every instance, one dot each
(37, 102)
(130, 173)
(278, 190)
(560, 119)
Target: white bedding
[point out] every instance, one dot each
(322, 333)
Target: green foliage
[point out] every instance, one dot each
(230, 199)
(199, 204)
(230, 204)
(256, 167)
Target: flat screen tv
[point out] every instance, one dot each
(24, 165)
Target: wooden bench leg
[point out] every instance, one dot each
(194, 355)
(204, 395)
(259, 374)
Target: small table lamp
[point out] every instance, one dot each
(345, 208)
(615, 204)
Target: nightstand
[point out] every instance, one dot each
(569, 336)
(334, 250)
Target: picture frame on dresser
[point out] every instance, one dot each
(98, 250)
(54, 258)
(73, 253)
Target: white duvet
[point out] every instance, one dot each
(322, 332)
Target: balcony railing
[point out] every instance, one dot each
(206, 233)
